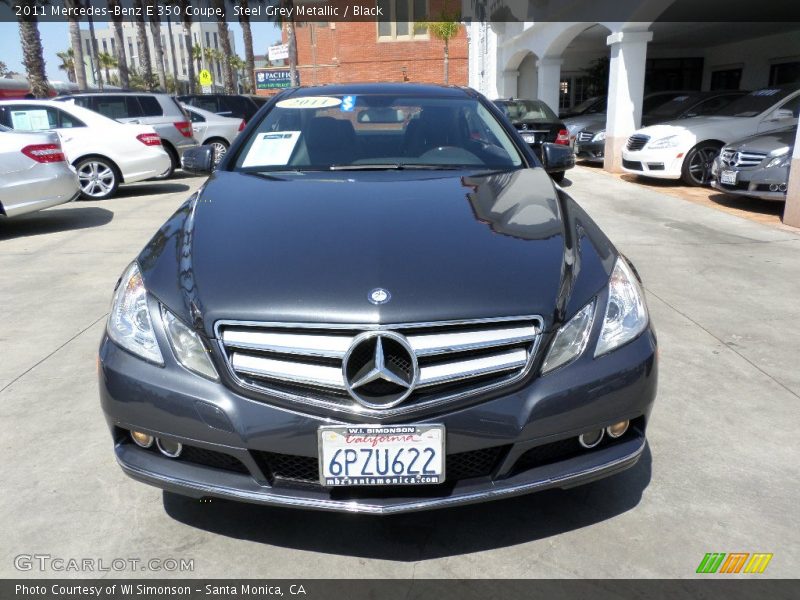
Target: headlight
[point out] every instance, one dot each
(570, 340)
(600, 136)
(129, 323)
(780, 161)
(667, 142)
(187, 346)
(626, 313)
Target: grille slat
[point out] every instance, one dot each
(472, 356)
(637, 141)
(585, 136)
(733, 159)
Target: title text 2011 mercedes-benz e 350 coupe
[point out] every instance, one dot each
(378, 302)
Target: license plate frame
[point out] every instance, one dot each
(728, 177)
(331, 438)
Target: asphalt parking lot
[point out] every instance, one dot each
(720, 473)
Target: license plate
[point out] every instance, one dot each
(529, 139)
(728, 177)
(376, 455)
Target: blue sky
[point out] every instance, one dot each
(55, 38)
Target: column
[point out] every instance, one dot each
(548, 79)
(791, 213)
(509, 83)
(625, 91)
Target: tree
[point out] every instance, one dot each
(597, 74)
(225, 42)
(174, 57)
(155, 32)
(32, 52)
(247, 36)
(76, 44)
(119, 42)
(444, 28)
(106, 61)
(67, 63)
(238, 65)
(291, 41)
(3, 69)
(141, 43)
(93, 47)
(197, 55)
(186, 19)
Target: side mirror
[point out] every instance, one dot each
(556, 157)
(198, 161)
(781, 114)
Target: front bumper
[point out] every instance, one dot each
(593, 152)
(659, 164)
(754, 182)
(536, 427)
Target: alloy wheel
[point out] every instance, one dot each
(219, 150)
(97, 179)
(700, 164)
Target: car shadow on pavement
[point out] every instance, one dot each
(422, 535)
(149, 188)
(54, 220)
(753, 205)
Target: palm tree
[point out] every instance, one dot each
(291, 40)
(155, 32)
(247, 36)
(238, 65)
(209, 55)
(119, 42)
(93, 48)
(76, 44)
(186, 18)
(197, 54)
(106, 61)
(225, 42)
(67, 63)
(33, 53)
(174, 57)
(145, 66)
(445, 28)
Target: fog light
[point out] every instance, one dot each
(617, 429)
(591, 439)
(168, 448)
(143, 440)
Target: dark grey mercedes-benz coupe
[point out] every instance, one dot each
(378, 302)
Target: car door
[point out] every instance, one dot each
(779, 117)
(199, 125)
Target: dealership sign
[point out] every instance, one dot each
(271, 79)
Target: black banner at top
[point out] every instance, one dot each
(496, 11)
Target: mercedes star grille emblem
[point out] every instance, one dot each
(735, 159)
(379, 296)
(380, 369)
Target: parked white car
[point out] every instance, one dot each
(103, 151)
(214, 130)
(34, 173)
(686, 149)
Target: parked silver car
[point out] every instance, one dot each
(757, 166)
(34, 174)
(214, 130)
(161, 111)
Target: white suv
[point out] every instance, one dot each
(686, 149)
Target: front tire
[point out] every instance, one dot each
(696, 169)
(98, 177)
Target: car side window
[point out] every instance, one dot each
(67, 121)
(29, 117)
(196, 117)
(150, 106)
(209, 103)
(792, 105)
(113, 107)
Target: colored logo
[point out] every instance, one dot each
(734, 562)
(348, 103)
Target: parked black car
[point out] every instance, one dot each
(537, 124)
(378, 302)
(240, 106)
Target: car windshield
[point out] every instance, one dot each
(375, 131)
(525, 110)
(674, 107)
(585, 104)
(755, 103)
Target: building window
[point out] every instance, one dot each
(726, 79)
(105, 46)
(208, 38)
(788, 72)
(88, 48)
(670, 74)
(403, 18)
(216, 41)
(113, 47)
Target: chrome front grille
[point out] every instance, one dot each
(741, 160)
(304, 363)
(585, 136)
(637, 141)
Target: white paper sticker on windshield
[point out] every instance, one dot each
(30, 120)
(274, 148)
(309, 102)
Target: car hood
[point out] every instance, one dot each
(310, 248)
(576, 124)
(766, 142)
(701, 128)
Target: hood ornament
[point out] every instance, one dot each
(379, 296)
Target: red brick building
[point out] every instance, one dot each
(370, 51)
